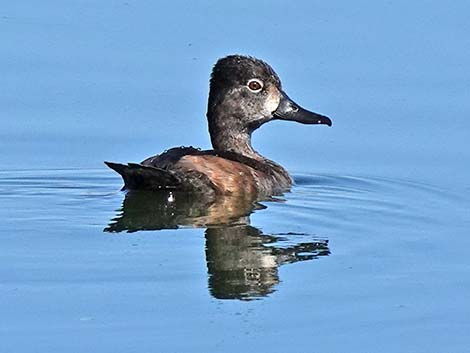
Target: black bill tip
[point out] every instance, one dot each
(289, 110)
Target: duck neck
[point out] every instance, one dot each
(230, 131)
(234, 141)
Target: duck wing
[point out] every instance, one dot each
(161, 172)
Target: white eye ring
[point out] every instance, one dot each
(255, 85)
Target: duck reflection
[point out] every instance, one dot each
(242, 262)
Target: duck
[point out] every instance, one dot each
(244, 94)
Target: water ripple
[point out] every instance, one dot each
(333, 200)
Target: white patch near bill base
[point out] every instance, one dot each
(273, 100)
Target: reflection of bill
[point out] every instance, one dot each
(242, 262)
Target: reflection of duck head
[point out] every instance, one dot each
(242, 262)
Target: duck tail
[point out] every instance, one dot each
(138, 176)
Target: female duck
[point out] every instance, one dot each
(244, 94)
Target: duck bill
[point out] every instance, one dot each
(289, 110)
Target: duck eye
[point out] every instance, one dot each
(255, 85)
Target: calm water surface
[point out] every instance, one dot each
(369, 252)
(340, 256)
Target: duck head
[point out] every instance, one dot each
(245, 93)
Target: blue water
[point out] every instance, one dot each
(367, 253)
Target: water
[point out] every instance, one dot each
(368, 252)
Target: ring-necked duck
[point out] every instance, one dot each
(244, 94)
